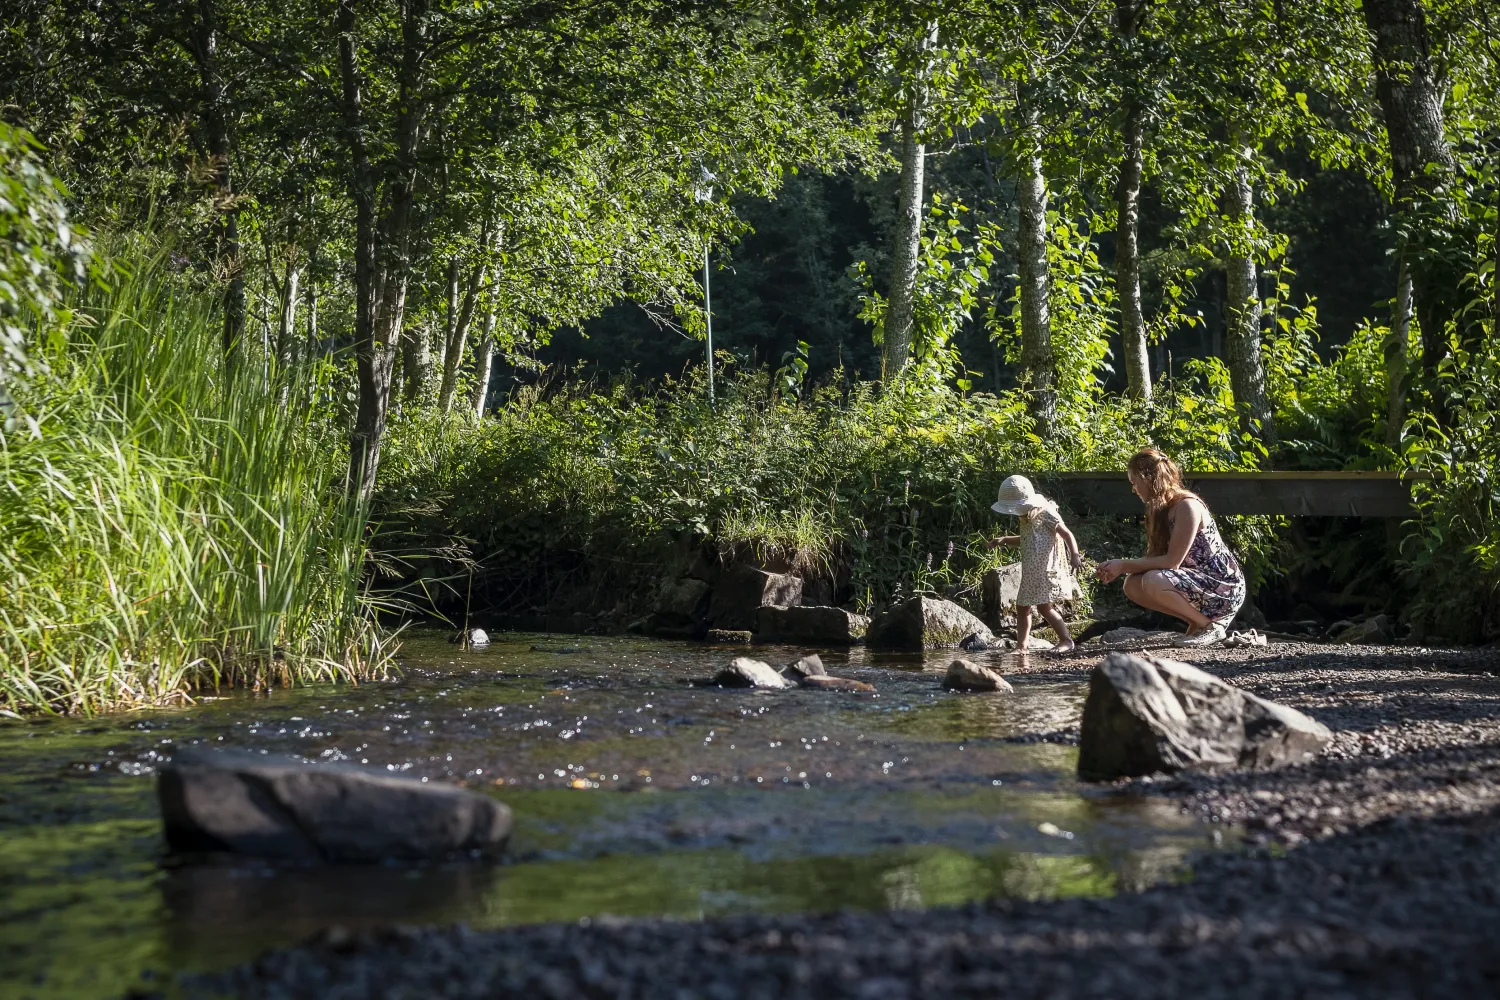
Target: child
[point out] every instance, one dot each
(1045, 577)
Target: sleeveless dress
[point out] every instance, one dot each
(1046, 577)
(1210, 576)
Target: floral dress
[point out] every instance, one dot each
(1046, 577)
(1210, 576)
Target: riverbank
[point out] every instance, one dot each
(1370, 872)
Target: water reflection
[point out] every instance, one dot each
(634, 794)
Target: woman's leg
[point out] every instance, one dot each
(1055, 619)
(1153, 589)
(1023, 626)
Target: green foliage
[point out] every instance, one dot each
(161, 533)
(885, 488)
(41, 253)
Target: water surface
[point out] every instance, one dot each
(634, 794)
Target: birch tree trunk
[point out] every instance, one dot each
(286, 328)
(1038, 364)
(900, 316)
(1247, 373)
(1397, 364)
(458, 331)
(382, 232)
(1127, 226)
(1421, 162)
(484, 359)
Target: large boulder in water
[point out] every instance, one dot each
(285, 807)
(743, 590)
(1146, 714)
(816, 626)
(928, 623)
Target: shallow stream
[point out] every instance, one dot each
(634, 794)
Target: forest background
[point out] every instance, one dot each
(315, 315)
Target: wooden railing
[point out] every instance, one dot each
(1297, 494)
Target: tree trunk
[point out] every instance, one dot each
(1038, 364)
(1128, 16)
(313, 340)
(458, 328)
(1421, 162)
(286, 332)
(216, 127)
(484, 358)
(1247, 374)
(382, 234)
(906, 256)
(416, 363)
(900, 317)
(1128, 261)
(1397, 363)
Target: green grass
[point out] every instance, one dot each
(164, 530)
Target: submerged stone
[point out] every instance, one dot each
(730, 636)
(823, 682)
(966, 675)
(471, 637)
(1147, 714)
(241, 802)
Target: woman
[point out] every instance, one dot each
(1188, 573)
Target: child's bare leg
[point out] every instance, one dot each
(1055, 619)
(1023, 626)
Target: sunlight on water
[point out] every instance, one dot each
(635, 794)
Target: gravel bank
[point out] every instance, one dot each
(1391, 886)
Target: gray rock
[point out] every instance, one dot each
(1371, 632)
(815, 625)
(999, 588)
(293, 809)
(744, 590)
(966, 675)
(470, 637)
(817, 592)
(809, 666)
(926, 623)
(683, 600)
(1147, 714)
(744, 672)
(730, 636)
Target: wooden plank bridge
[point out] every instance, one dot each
(1295, 494)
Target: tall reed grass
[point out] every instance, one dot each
(163, 529)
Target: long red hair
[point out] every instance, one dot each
(1161, 480)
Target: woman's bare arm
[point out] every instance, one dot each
(1186, 516)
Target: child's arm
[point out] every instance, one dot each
(1074, 555)
(995, 543)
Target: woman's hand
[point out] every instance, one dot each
(1110, 570)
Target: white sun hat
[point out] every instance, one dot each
(1017, 496)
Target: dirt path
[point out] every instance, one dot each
(1391, 886)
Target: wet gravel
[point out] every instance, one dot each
(1372, 871)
